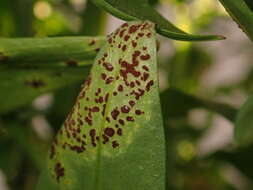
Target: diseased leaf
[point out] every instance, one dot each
(142, 10)
(20, 85)
(241, 14)
(113, 137)
(39, 50)
(244, 124)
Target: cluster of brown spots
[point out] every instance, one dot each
(59, 171)
(35, 83)
(129, 78)
(92, 42)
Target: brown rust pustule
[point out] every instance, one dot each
(35, 83)
(72, 63)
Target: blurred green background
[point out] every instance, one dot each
(201, 155)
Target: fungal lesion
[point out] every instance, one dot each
(71, 63)
(59, 171)
(35, 83)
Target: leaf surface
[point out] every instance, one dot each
(44, 50)
(20, 85)
(244, 124)
(113, 137)
(142, 10)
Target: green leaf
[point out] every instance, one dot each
(249, 3)
(37, 50)
(141, 10)
(239, 158)
(113, 137)
(176, 103)
(20, 85)
(241, 14)
(244, 124)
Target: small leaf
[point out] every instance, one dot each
(244, 124)
(20, 85)
(141, 10)
(113, 137)
(241, 14)
(38, 50)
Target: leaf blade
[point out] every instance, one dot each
(244, 124)
(28, 83)
(39, 50)
(123, 131)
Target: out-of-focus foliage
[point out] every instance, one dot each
(26, 131)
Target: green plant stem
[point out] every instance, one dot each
(38, 50)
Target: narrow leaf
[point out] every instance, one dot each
(113, 137)
(176, 103)
(49, 49)
(244, 124)
(249, 3)
(241, 14)
(142, 10)
(19, 86)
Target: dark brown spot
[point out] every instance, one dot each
(115, 144)
(138, 112)
(59, 171)
(95, 109)
(52, 151)
(115, 113)
(124, 48)
(103, 76)
(131, 103)
(145, 57)
(129, 118)
(106, 139)
(109, 131)
(119, 131)
(125, 109)
(134, 44)
(126, 38)
(121, 121)
(149, 84)
(145, 68)
(133, 29)
(120, 88)
(108, 66)
(72, 63)
(92, 42)
(109, 80)
(145, 76)
(88, 120)
(35, 83)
